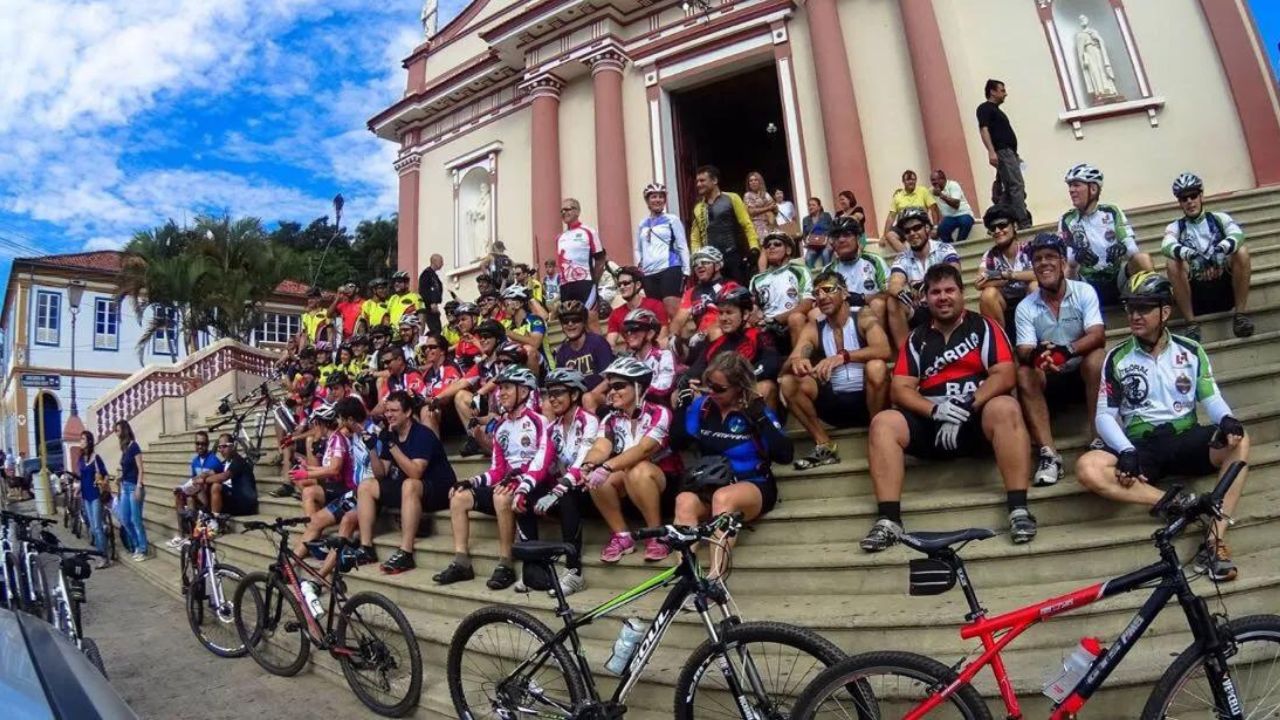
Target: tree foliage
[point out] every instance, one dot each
(331, 256)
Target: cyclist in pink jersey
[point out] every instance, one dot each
(640, 330)
(322, 483)
(349, 416)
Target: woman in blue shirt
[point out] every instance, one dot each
(93, 473)
(131, 491)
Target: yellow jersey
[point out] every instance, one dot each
(313, 322)
(404, 304)
(375, 312)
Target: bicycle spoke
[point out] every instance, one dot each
(381, 659)
(1256, 671)
(770, 676)
(493, 654)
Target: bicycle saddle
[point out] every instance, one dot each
(931, 542)
(543, 551)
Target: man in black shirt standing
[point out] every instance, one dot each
(1002, 152)
(431, 288)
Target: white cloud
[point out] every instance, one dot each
(105, 243)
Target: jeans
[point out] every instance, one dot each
(817, 259)
(951, 224)
(94, 509)
(1010, 187)
(130, 505)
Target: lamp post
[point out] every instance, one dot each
(74, 428)
(75, 292)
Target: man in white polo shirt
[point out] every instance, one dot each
(953, 207)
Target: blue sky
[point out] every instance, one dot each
(1267, 14)
(118, 114)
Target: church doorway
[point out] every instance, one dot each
(736, 124)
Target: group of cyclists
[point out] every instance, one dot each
(719, 335)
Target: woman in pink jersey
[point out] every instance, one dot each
(323, 483)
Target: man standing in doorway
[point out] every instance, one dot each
(1002, 152)
(720, 219)
(432, 289)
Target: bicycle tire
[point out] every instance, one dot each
(77, 521)
(277, 616)
(822, 654)
(201, 616)
(1251, 629)
(109, 529)
(21, 583)
(44, 603)
(349, 618)
(471, 625)
(91, 651)
(817, 699)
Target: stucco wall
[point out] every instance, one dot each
(577, 147)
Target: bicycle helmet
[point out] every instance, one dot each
(383, 330)
(337, 379)
(492, 329)
(1187, 183)
(325, 412)
(912, 213)
(323, 346)
(513, 352)
(399, 275)
(467, 308)
(572, 309)
(566, 377)
(707, 252)
(349, 288)
(654, 188)
(1046, 241)
(359, 340)
(629, 368)
(999, 212)
(1148, 288)
(641, 317)
(451, 307)
(845, 225)
(378, 282)
(410, 321)
(709, 474)
(1085, 173)
(789, 241)
(516, 292)
(518, 375)
(736, 296)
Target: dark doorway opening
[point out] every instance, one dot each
(734, 123)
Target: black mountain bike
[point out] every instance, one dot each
(208, 584)
(248, 441)
(366, 633)
(505, 663)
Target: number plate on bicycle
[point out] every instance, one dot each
(931, 577)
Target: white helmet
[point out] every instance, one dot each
(1085, 173)
(631, 369)
(515, 292)
(326, 412)
(654, 187)
(1186, 183)
(517, 375)
(706, 252)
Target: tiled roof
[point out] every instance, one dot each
(111, 261)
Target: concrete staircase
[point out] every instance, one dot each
(802, 564)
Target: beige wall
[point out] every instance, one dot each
(815, 144)
(577, 147)
(635, 113)
(457, 53)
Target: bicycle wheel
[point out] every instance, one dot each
(1183, 690)
(109, 529)
(213, 621)
(271, 625)
(385, 669)
(489, 646)
(886, 685)
(772, 662)
(91, 651)
(77, 520)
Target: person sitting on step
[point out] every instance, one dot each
(1005, 275)
(203, 464)
(906, 274)
(1100, 238)
(783, 290)
(640, 332)
(351, 456)
(735, 307)
(334, 476)
(490, 335)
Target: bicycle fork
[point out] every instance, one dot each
(728, 669)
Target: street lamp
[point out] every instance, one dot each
(74, 294)
(74, 428)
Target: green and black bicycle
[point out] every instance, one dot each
(505, 663)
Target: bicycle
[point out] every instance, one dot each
(537, 672)
(903, 684)
(69, 488)
(206, 584)
(249, 444)
(24, 583)
(65, 596)
(278, 625)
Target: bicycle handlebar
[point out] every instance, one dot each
(676, 535)
(26, 519)
(1207, 505)
(60, 550)
(278, 525)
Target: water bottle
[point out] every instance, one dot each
(625, 646)
(310, 594)
(1073, 669)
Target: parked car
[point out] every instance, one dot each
(54, 456)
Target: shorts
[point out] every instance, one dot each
(333, 493)
(484, 498)
(434, 497)
(188, 488)
(1108, 290)
(234, 503)
(842, 410)
(1213, 295)
(1166, 453)
(768, 494)
(344, 504)
(664, 284)
(584, 291)
(922, 433)
(1065, 388)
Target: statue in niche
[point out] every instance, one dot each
(1096, 72)
(430, 18)
(478, 219)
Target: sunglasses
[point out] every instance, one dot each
(558, 392)
(626, 283)
(1139, 309)
(1189, 196)
(567, 209)
(571, 321)
(825, 290)
(774, 244)
(619, 386)
(914, 228)
(629, 329)
(999, 225)
(718, 388)
(430, 347)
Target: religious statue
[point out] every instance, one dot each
(430, 15)
(478, 217)
(1096, 72)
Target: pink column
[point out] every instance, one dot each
(841, 127)
(944, 133)
(545, 164)
(407, 223)
(611, 155)
(1251, 86)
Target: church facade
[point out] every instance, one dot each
(514, 105)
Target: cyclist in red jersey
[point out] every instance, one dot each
(437, 375)
(735, 306)
(952, 388)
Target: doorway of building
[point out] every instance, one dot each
(50, 424)
(736, 124)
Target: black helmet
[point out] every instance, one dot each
(492, 329)
(337, 379)
(571, 309)
(912, 213)
(736, 296)
(710, 473)
(400, 276)
(1046, 241)
(999, 212)
(514, 352)
(383, 330)
(785, 238)
(1148, 288)
(845, 225)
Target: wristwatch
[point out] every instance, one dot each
(845, 355)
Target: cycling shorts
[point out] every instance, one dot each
(768, 494)
(584, 291)
(923, 432)
(235, 504)
(1210, 296)
(1065, 388)
(344, 504)
(484, 498)
(664, 284)
(842, 410)
(1185, 454)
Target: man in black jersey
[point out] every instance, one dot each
(952, 386)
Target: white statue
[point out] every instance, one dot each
(430, 16)
(1095, 64)
(478, 216)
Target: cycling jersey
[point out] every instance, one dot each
(574, 249)
(480, 373)
(530, 325)
(651, 421)
(466, 350)
(1079, 311)
(338, 446)
(324, 371)
(936, 253)
(1202, 235)
(619, 314)
(313, 321)
(847, 378)
(356, 368)
(1140, 392)
(867, 274)
(947, 367)
(375, 312)
(521, 451)
(780, 289)
(410, 381)
(404, 304)
(700, 299)
(663, 364)
(748, 447)
(661, 244)
(994, 261)
(755, 346)
(571, 439)
(1100, 242)
(360, 460)
(350, 313)
(436, 379)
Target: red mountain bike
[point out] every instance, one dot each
(1230, 672)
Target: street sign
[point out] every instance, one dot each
(51, 382)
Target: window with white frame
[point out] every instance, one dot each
(48, 317)
(279, 327)
(106, 324)
(164, 341)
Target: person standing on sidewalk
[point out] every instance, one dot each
(92, 472)
(1002, 152)
(132, 491)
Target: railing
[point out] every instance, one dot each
(154, 382)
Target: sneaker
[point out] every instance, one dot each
(176, 542)
(1242, 327)
(655, 549)
(821, 455)
(502, 578)
(1216, 563)
(400, 561)
(102, 563)
(141, 557)
(571, 581)
(471, 448)
(366, 555)
(1097, 444)
(1022, 526)
(1191, 330)
(619, 544)
(882, 536)
(283, 491)
(1049, 471)
(454, 573)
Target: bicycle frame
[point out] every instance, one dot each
(252, 442)
(286, 567)
(205, 556)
